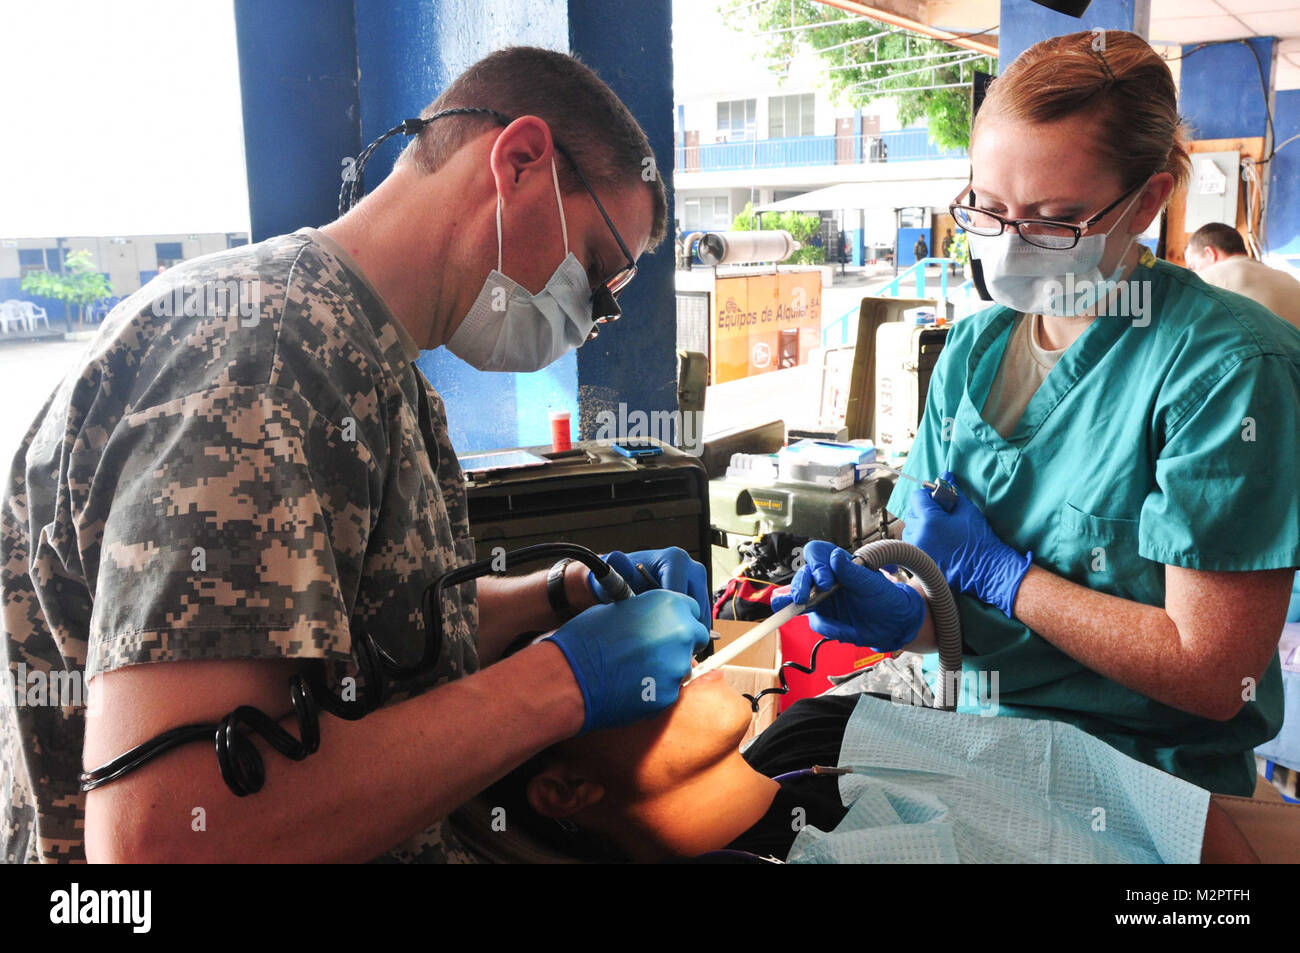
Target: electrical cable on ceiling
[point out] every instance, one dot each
(1250, 167)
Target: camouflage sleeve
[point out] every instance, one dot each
(235, 524)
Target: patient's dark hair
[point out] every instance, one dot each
(511, 793)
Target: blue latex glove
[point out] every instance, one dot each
(613, 649)
(970, 554)
(672, 568)
(868, 609)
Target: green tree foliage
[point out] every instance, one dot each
(802, 227)
(959, 250)
(78, 286)
(947, 111)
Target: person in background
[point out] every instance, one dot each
(920, 249)
(1218, 255)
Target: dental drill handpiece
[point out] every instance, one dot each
(613, 585)
(941, 491)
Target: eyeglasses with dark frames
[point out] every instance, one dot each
(1036, 231)
(604, 297)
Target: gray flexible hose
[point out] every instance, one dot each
(943, 607)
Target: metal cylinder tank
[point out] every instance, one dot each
(727, 248)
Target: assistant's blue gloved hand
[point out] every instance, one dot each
(970, 554)
(673, 568)
(630, 657)
(868, 609)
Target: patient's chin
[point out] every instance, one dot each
(718, 709)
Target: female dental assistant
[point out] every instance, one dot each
(1128, 522)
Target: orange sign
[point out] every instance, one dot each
(762, 323)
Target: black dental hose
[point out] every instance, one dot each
(241, 763)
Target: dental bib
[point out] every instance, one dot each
(930, 786)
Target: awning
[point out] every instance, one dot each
(904, 193)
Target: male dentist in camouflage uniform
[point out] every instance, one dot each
(246, 467)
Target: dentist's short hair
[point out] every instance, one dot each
(584, 115)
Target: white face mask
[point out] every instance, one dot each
(1062, 283)
(510, 329)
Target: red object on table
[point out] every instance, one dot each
(834, 658)
(561, 439)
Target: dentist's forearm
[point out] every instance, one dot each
(373, 784)
(1192, 655)
(511, 605)
(926, 641)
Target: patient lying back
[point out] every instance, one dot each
(676, 786)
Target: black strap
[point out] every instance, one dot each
(354, 185)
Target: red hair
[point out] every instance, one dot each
(1115, 78)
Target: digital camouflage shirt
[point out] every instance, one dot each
(244, 462)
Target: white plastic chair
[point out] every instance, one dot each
(11, 312)
(32, 314)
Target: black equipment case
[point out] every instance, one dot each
(594, 497)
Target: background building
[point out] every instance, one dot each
(126, 261)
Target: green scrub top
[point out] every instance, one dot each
(1171, 440)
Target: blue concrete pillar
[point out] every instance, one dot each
(1024, 23)
(298, 80)
(1220, 92)
(629, 43)
(408, 52)
(1283, 222)
(321, 78)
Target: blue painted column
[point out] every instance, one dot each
(1283, 222)
(408, 52)
(298, 82)
(629, 43)
(1220, 95)
(1224, 91)
(321, 78)
(1024, 23)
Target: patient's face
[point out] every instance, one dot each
(702, 728)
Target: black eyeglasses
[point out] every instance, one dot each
(604, 298)
(1035, 231)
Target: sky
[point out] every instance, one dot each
(120, 118)
(123, 118)
(712, 58)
